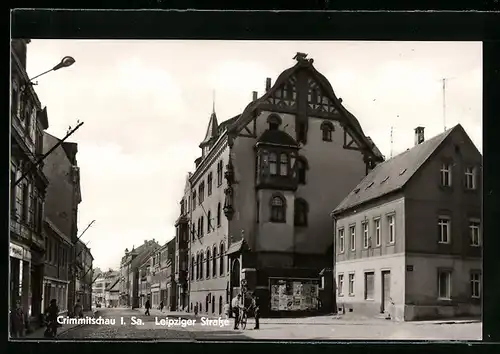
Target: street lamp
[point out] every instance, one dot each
(65, 62)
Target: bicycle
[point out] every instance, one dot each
(243, 318)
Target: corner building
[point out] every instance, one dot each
(260, 197)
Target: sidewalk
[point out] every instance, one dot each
(314, 320)
(38, 333)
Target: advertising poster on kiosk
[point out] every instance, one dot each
(293, 294)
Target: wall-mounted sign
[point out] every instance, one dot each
(409, 268)
(16, 251)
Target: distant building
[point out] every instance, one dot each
(102, 285)
(181, 259)
(60, 221)
(408, 237)
(129, 269)
(259, 199)
(83, 275)
(144, 283)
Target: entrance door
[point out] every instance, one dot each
(386, 291)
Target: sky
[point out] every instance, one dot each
(146, 104)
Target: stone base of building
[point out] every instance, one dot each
(409, 312)
(420, 313)
(209, 302)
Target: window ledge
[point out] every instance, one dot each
(443, 243)
(340, 295)
(371, 300)
(476, 246)
(444, 299)
(351, 295)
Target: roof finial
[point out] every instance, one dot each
(213, 101)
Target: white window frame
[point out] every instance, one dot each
(341, 232)
(351, 279)
(391, 228)
(475, 225)
(378, 235)
(352, 237)
(366, 297)
(470, 176)
(442, 221)
(365, 227)
(449, 278)
(340, 284)
(445, 174)
(473, 275)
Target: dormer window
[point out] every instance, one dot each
(283, 164)
(274, 122)
(327, 129)
(273, 166)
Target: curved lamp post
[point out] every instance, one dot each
(65, 62)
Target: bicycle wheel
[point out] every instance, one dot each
(243, 321)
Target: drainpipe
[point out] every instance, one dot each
(334, 225)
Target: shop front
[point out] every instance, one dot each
(55, 289)
(20, 276)
(292, 295)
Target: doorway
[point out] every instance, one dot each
(386, 291)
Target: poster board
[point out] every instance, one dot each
(293, 294)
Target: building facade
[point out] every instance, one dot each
(259, 199)
(181, 258)
(60, 220)
(83, 275)
(408, 237)
(102, 285)
(129, 269)
(27, 247)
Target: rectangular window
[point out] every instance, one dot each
(351, 284)
(209, 184)
(444, 284)
(12, 190)
(352, 240)
(369, 285)
(273, 164)
(475, 233)
(444, 229)
(365, 234)
(377, 232)
(446, 175)
(475, 284)
(340, 285)
(392, 230)
(283, 165)
(219, 172)
(470, 178)
(194, 200)
(26, 202)
(341, 241)
(201, 191)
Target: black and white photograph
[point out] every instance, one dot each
(239, 190)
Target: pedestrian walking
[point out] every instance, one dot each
(17, 321)
(256, 310)
(196, 309)
(78, 309)
(161, 306)
(236, 306)
(51, 314)
(226, 310)
(148, 307)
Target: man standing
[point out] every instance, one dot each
(236, 307)
(147, 306)
(256, 310)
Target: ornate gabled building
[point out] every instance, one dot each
(261, 194)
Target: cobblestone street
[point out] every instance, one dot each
(344, 330)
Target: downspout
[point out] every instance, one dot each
(334, 225)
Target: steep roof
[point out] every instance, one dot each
(277, 137)
(307, 64)
(394, 173)
(212, 130)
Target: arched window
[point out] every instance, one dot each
(192, 268)
(209, 221)
(197, 266)
(221, 259)
(273, 164)
(218, 215)
(208, 264)
(278, 209)
(327, 128)
(235, 273)
(274, 122)
(283, 164)
(202, 260)
(201, 227)
(301, 167)
(220, 305)
(193, 232)
(301, 209)
(214, 261)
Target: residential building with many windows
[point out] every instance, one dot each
(408, 237)
(259, 199)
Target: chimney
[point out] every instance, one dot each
(419, 135)
(268, 84)
(254, 95)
